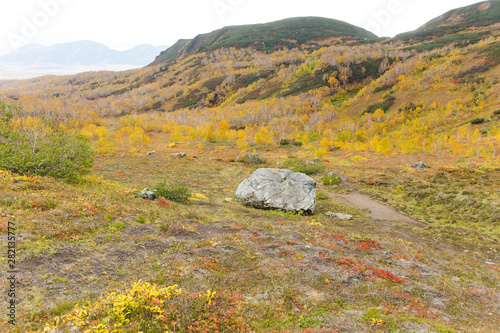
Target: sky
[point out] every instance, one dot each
(123, 24)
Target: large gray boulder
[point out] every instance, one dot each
(278, 189)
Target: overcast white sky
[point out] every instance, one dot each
(122, 24)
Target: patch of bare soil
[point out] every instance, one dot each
(377, 210)
(484, 6)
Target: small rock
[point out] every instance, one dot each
(148, 194)
(251, 155)
(420, 165)
(331, 174)
(228, 200)
(279, 164)
(309, 162)
(237, 159)
(339, 216)
(151, 153)
(317, 160)
(179, 155)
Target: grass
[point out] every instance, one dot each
(291, 272)
(306, 167)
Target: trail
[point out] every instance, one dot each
(377, 210)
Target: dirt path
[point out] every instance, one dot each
(377, 210)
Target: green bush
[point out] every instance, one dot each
(254, 159)
(52, 153)
(285, 142)
(497, 112)
(175, 192)
(384, 105)
(141, 219)
(330, 180)
(477, 121)
(310, 169)
(384, 87)
(304, 167)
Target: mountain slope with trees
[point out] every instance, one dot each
(353, 112)
(288, 33)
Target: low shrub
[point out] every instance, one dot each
(45, 151)
(147, 307)
(163, 203)
(477, 121)
(497, 112)
(384, 105)
(141, 219)
(175, 192)
(304, 167)
(330, 180)
(285, 142)
(384, 87)
(254, 159)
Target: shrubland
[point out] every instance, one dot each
(354, 115)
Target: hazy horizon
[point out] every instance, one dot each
(49, 22)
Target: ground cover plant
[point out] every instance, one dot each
(357, 116)
(270, 271)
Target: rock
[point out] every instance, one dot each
(237, 159)
(317, 160)
(279, 164)
(278, 189)
(151, 153)
(420, 165)
(331, 174)
(148, 194)
(251, 155)
(228, 199)
(179, 155)
(339, 216)
(309, 162)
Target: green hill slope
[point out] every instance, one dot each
(451, 27)
(287, 33)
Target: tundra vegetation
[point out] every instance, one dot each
(354, 114)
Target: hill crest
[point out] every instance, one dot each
(287, 33)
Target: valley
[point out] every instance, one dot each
(355, 112)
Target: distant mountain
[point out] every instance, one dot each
(82, 53)
(293, 32)
(481, 17)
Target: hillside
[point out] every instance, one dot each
(421, 252)
(462, 26)
(288, 33)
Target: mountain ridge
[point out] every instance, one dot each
(289, 33)
(84, 52)
(478, 18)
